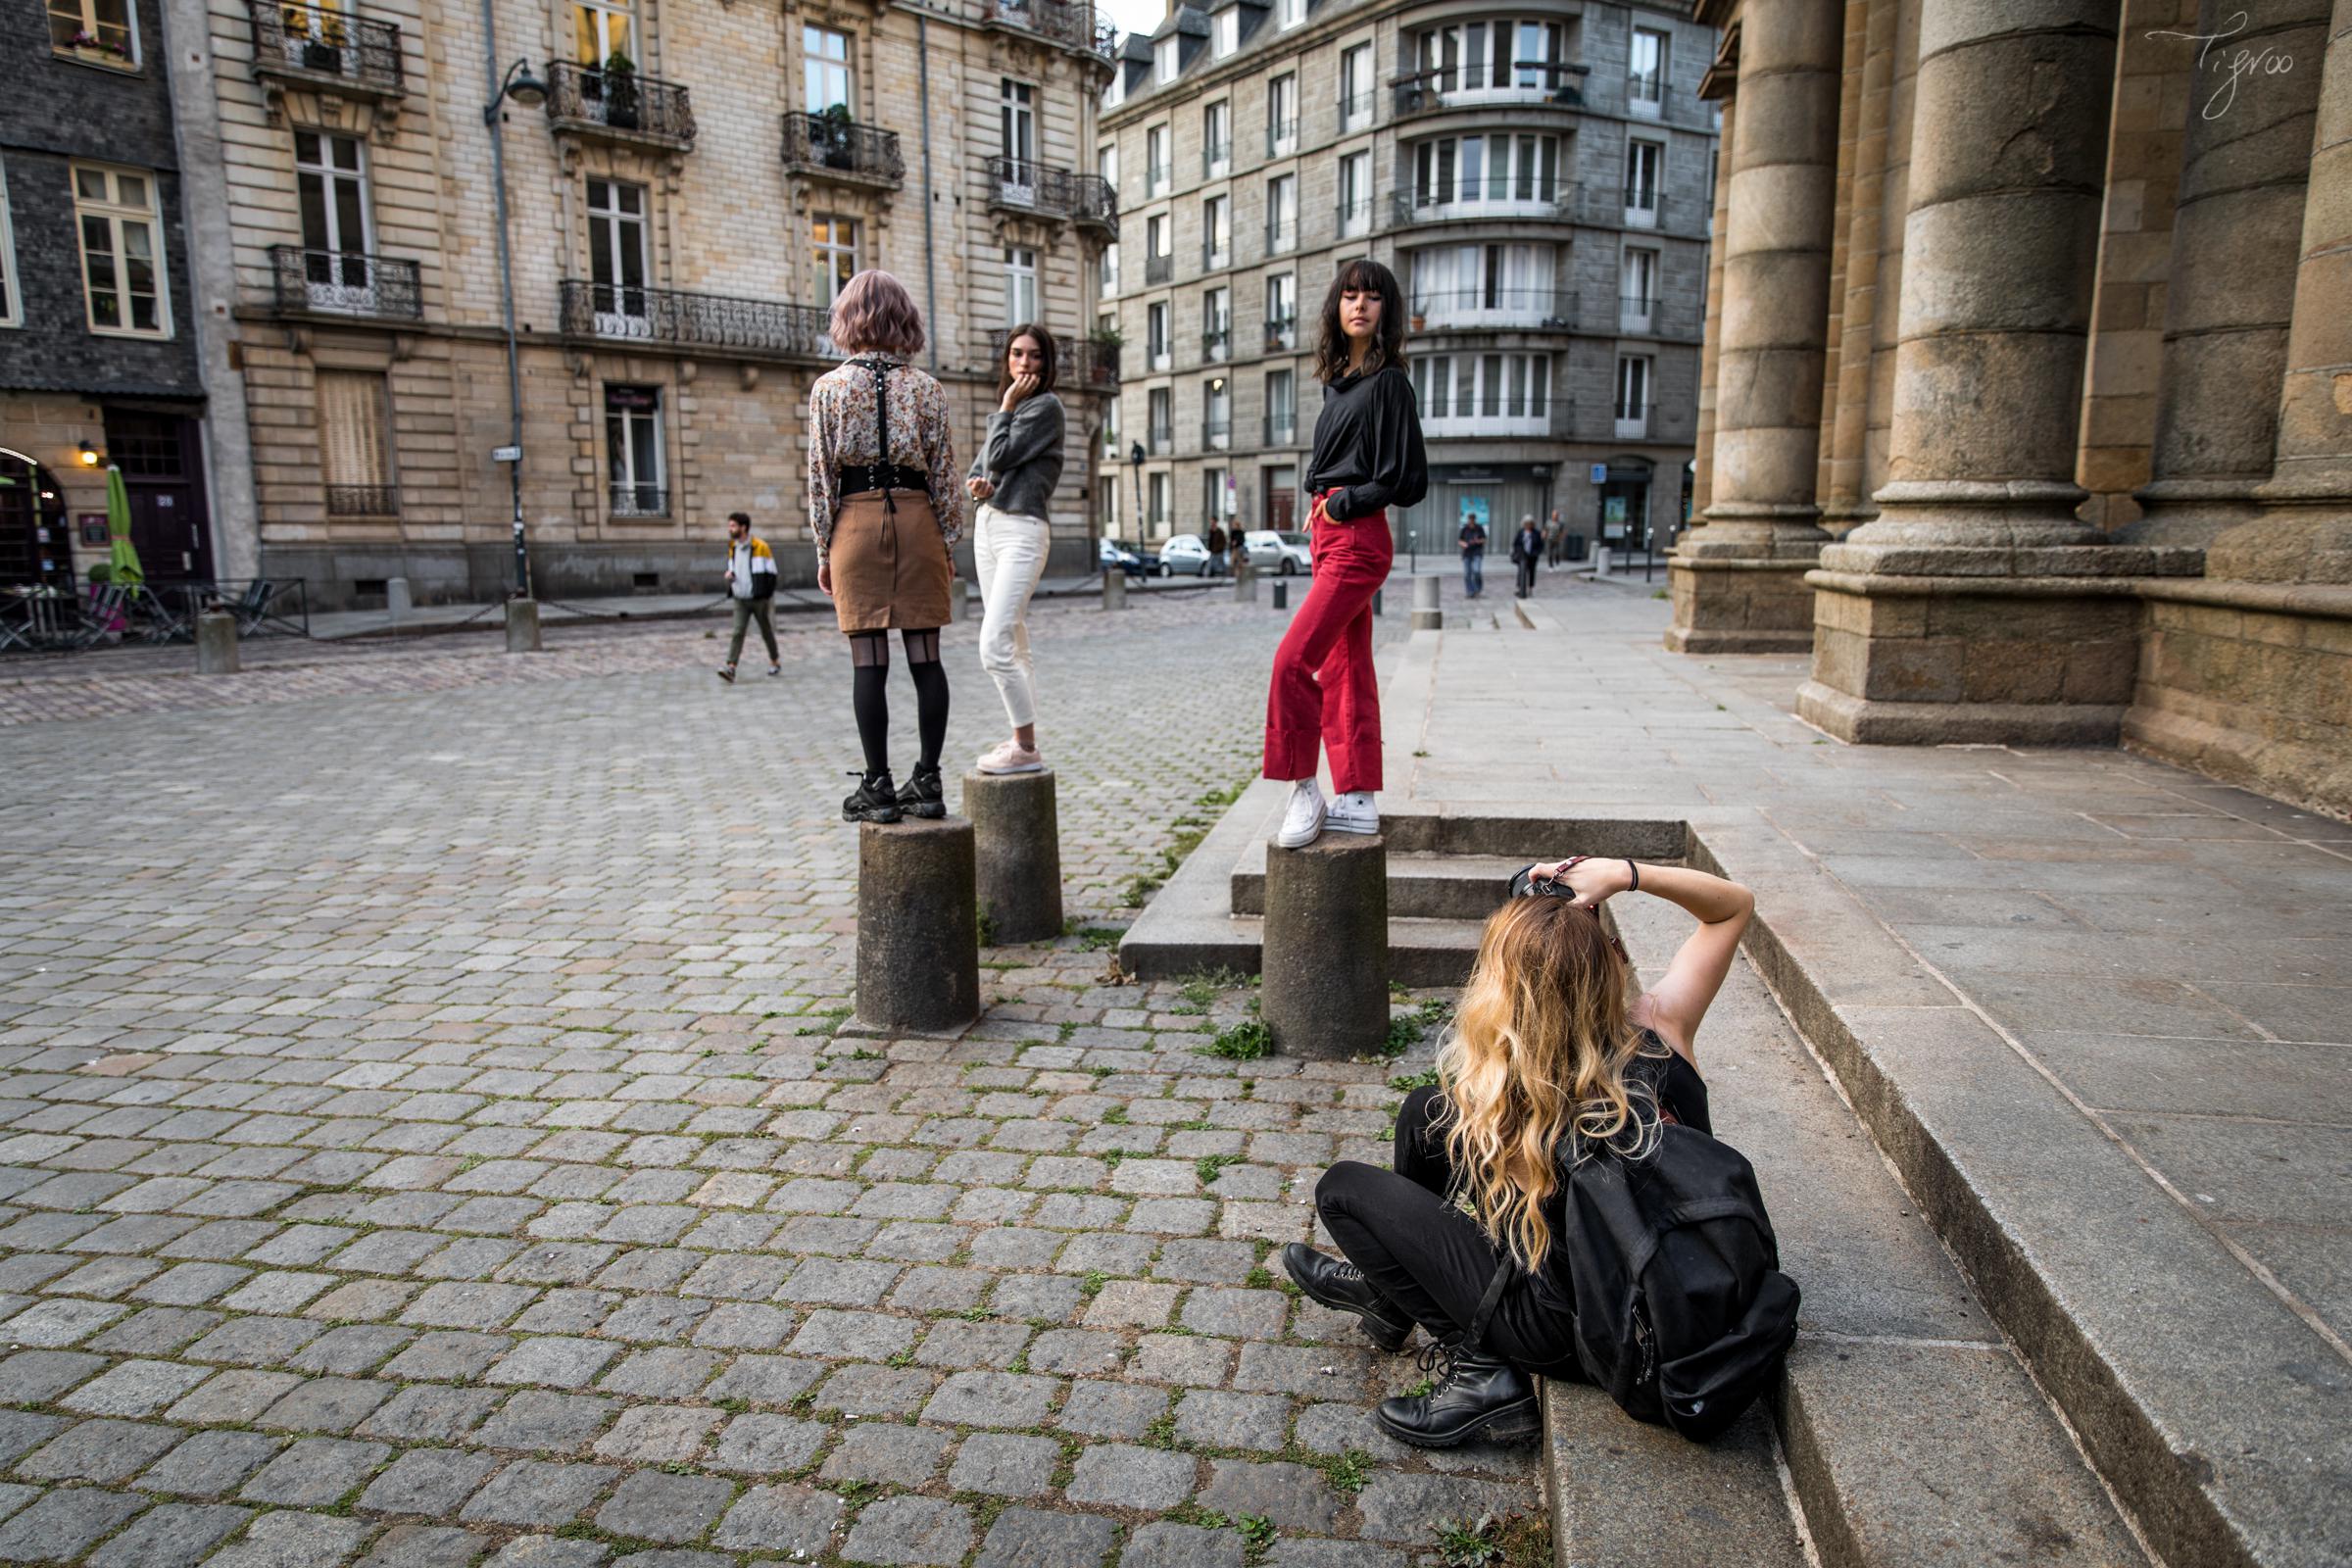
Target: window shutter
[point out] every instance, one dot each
(354, 428)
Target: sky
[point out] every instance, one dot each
(1134, 15)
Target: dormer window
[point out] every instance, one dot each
(1163, 60)
(1228, 25)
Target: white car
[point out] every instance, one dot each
(1284, 553)
(1187, 554)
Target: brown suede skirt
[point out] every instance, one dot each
(890, 569)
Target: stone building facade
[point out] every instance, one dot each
(1537, 175)
(2027, 401)
(697, 183)
(98, 361)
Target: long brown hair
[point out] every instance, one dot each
(1363, 276)
(1046, 350)
(1538, 1049)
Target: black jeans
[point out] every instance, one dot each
(1430, 1258)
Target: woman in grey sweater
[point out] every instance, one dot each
(1014, 479)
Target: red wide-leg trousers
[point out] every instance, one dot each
(1324, 693)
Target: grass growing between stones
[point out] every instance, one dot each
(1243, 1042)
(1514, 1541)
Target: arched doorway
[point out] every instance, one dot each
(34, 544)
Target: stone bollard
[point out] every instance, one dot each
(1427, 616)
(1600, 560)
(1018, 852)
(396, 598)
(958, 600)
(523, 625)
(918, 938)
(216, 643)
(1244, 580)
(1325, 992)
(1115, 588)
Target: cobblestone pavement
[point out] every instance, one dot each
(423, 1139)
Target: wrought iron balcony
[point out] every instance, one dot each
(1025, 186)
(345, 283)
(843, 150)
(618, 105)
(1355, 111)
(1161, 440)
(1500, 197)
(1280, 430)
(1071, 24)
(1282, 137)
(317, 45)
(362, 501)
(1095, 201)
(1283, 333)
(1216, 158)
(760, 327)
(1532, 82)
(1216, 432)
(627, 500)
(1159, 268)
(1216, 344)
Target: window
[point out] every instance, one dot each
(1289, 13)
(1216, 414)
(634, 451)
(1106, 274)
(12, 310)
(1216, 140)
(824, 69)
(121, 250)
(1156, 333)
(1282, 213)
(1473, 286)
(1282, 115)
(1158, 403)
(618, 258)
(354, 445)
(1228, 25)
(1160, 262)
(1216, 232)
(1020, 285)
(1489, 58)
(602, 29)
(1637, 289)
(1017, 132)
(1111, 429)
(1643, 161)
(1632, 388)
(1106, 164)
(1156, 168)
(1216, 496)
(1645, 73)
(330, 184)
(1281, 408)
(1356, 194)
(1282, 310)
(1501, 168)
(1216, 324)
(103, 29)
(1163, 60)
(1355, 89)
(833, 248)
(1483, 394)
(1159, 505)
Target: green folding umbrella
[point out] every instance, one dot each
(125, 554)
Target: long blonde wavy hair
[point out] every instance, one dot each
(1540, 1046)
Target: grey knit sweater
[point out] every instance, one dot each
(1022, 455)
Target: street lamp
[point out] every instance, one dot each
(1135, 457)
(530, 92)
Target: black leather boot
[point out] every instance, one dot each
(873, 801)
(923, 795)
(1342, 1285)
(1477, 1399)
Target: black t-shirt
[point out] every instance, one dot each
(1681, 1093)
(1473, 539)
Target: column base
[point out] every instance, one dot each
(1871, 722)
(1736, 605)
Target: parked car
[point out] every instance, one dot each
(1131, 559)
(1284, 553)
(1186, 555)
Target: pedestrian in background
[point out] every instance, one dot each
(1473, 539)
(1217, 545)
(752, 585)
(1012, 480)
(1554, 536)
(1527, 552)
(887, 507)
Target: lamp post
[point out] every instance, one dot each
(1135, 457)
(530, 92)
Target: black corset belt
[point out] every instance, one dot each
(858, 477)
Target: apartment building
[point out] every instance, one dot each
(98, 363)
(1540, 177)
(686, 188)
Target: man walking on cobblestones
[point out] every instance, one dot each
(752, 584)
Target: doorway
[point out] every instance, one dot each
(161, 460)
(1281, 510)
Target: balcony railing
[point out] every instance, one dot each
(1216, 343)
(345, 283)
(627, 500)
(619, 103)
(1633, 422)
(1532, 82)
(1216, 158)
(1162, 439)
(362, 501)
(1157, 179)
(1488, 307)
(1025, 185)
(1502, 196)
(1215, 258)
(1352, 218)
(616, 310)
(1357, 110)
(843, 149)
(1282, 137)
(1159, 268)
(1282, 332)
(1279, 430)
(1216, 432)
(1282, 235)
(1095, 200)
(312, 43)
(1068, 23)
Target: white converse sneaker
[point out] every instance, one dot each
(1353, 813)
(1303, 818)
(1012, 756)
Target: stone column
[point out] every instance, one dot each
(2233, 276)
(1978, 607)
(1738, 579)
(1845, 496)
(1702, 470)
(2305, 533)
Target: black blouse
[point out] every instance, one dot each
(1368, 444)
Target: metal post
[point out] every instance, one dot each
(493, 117)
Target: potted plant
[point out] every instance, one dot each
(834, 127)
(620, 92)
(323, 43)
(89, 46)
(1420, 321)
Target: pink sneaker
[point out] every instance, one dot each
(1012, 756)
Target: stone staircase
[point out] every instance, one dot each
(1968, 1388)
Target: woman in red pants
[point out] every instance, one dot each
(1367, 459)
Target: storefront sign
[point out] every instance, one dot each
(93, 528)
(1601, 473)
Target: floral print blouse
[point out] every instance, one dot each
(841, 434)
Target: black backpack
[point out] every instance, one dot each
(1683, 1314)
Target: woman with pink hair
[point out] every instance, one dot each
(887, 505)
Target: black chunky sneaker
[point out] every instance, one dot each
(1477, 1399)
(873, 801)
(923, 795)
(1340, 1285)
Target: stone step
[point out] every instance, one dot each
(1426, 887)
(1909, 1431)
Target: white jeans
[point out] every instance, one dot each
(1010, 552)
